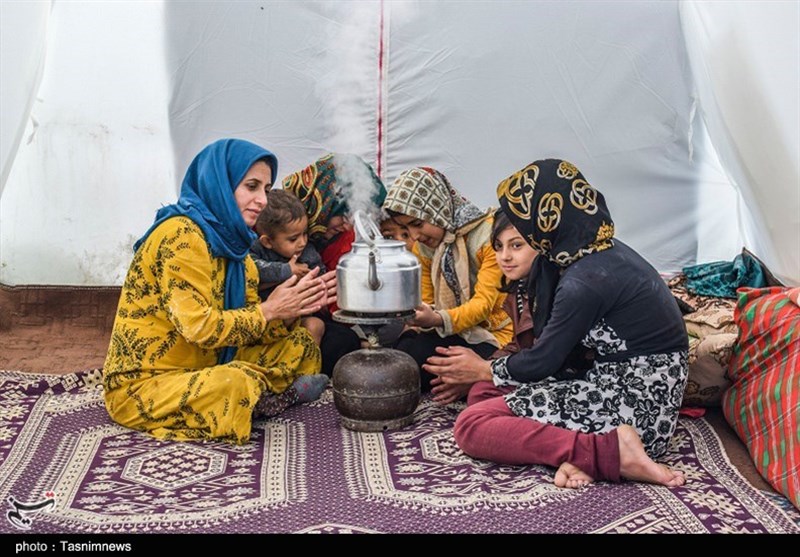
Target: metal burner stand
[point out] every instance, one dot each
(375, 388)
(370, 323)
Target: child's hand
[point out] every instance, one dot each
(426, 317)
(445, 393)
(298, 269)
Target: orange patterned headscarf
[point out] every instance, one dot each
(325, 187)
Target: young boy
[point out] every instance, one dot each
(393, 231)
(283, 250)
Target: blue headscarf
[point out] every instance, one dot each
(207, 199)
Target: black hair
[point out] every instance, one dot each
(501, 222)
(282, 208)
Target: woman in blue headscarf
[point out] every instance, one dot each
(193, 353)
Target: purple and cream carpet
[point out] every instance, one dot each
(66, 468)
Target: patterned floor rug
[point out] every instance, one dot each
(66, 468)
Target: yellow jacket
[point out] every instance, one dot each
(484, 309)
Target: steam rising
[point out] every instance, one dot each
(346, 86)
(357, 185)
(349, 95)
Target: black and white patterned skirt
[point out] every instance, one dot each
(644, 392)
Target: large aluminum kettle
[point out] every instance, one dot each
(378, 276)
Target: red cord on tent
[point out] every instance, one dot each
(380, 99)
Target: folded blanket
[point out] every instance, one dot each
(712, 334)
(722, 278)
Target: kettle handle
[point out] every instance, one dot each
(373, 281)
(366, 228)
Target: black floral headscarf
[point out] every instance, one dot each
(562, 217)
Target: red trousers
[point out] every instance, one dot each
(488, 430)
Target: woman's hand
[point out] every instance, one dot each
(295, 297)
(458, 365)
(329, 280)
(425, 317)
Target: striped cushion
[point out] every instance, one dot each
(763, 404)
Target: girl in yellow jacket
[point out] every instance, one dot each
(462, 305)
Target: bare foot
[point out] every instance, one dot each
(634, 464)
(570, 476)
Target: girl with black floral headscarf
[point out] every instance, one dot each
(586, 290)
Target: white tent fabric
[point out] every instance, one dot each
(745, 57)
(96, 157)
(132, 90)
(22, 48)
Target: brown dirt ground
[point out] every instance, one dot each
(53, 349)
(55, 330)
(67, 329)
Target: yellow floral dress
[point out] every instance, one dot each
(161, 374)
